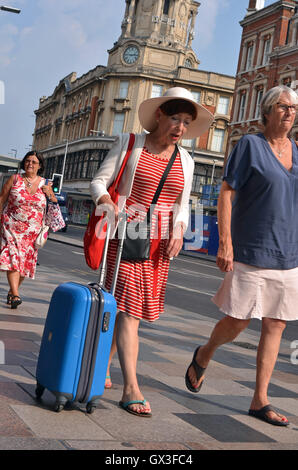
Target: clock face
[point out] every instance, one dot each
(131, 54)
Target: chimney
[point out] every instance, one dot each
(255, 5)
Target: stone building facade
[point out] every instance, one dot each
(77, 124)
(268, 57)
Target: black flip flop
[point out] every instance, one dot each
(262, 414)
(199, 372)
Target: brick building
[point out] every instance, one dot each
(268, 57)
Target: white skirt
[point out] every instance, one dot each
(251, 292)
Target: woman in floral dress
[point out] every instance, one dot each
(22, 205)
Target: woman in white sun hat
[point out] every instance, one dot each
(141, 285)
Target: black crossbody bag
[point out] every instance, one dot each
(137, 248)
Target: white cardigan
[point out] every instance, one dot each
(111, 165)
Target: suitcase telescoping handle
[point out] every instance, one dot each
(103, 266)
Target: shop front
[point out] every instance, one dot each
(80, 208)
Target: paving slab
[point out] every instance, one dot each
(47, 424)
(28, 444)
(215, 419)
(100, 445)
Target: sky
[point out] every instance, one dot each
(51, 38)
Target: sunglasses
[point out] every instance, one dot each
(33, 162)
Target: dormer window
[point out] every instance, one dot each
(188, 63)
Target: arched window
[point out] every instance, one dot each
(166, 7)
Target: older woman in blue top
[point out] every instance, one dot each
(258, 246)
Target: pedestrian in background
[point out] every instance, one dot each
(22, 206)
(141, 285)
(258, 246)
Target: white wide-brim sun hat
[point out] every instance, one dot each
(197, 127)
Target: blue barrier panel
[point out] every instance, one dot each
(213, 236)
(202, 235)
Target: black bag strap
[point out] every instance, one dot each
(162, 181)
(164, 176)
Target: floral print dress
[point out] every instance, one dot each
(20, 224)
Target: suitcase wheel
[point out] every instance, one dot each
(39, 390)
(58, 407)
(60, 404)
(90, 407)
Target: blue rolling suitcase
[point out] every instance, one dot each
(77, 339)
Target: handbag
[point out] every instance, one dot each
(137, 247)
(42, 237)
(94, 237)
(54, 218)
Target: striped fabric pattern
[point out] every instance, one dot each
(134, 290)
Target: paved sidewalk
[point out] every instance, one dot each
(215, 419)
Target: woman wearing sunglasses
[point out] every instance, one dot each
(22, 206)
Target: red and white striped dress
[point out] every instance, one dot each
(141, 285)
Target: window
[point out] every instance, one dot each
(266, 51)
(218, 140)
(166, 7)
(287, 81)
(223, 105)
(123, 89)
(203, 175)
(187, 142)
(118, 123)
(196, 96)
(99, 116)
(259, 97)
(242, 107)
(156, 90)
(249, 57)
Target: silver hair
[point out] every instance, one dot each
(272, 96)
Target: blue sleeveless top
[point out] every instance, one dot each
(265, 209)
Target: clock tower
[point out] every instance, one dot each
(156, 35)
(152, 54)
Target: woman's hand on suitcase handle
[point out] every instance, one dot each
(111, 207)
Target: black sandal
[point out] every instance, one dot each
(199, 372)
(263, 415)
(9, 297)
(15, 301)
